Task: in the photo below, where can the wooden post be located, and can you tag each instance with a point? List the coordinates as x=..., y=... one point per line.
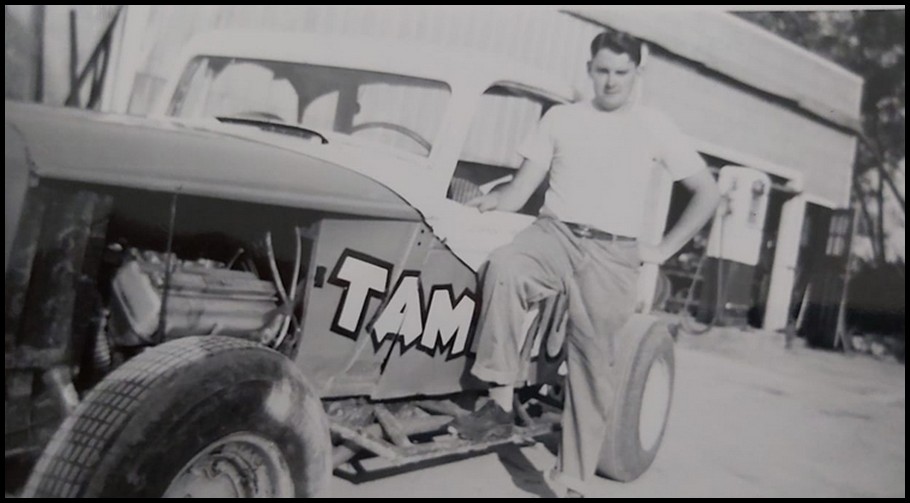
x=786, y=259
x=841, y=330
x=39, y=14
x=73, y=99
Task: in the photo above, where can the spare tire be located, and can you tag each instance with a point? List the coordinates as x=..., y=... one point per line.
x=638, y=417
x=198, y=416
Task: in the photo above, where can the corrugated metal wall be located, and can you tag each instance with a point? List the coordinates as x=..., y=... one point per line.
x=716, y=112
x=22, y=46
x=744, y=52
x=705, y=108
x=91, y=20
x=537, y=36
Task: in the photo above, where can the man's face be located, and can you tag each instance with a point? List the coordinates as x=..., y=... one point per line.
x=614, y=77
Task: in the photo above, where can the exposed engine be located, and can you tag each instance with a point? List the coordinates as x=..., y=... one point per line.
x=203, y=298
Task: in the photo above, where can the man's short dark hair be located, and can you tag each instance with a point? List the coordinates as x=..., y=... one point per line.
x=618, y=42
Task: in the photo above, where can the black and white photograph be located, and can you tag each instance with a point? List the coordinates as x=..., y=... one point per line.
x=455, y=251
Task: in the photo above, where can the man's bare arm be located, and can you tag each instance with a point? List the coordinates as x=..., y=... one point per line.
x=705, y=198
x=513, y=195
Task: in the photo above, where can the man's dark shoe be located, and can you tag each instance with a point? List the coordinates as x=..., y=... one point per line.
x=487, y=422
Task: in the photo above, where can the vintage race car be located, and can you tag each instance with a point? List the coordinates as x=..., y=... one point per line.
x=275, y=275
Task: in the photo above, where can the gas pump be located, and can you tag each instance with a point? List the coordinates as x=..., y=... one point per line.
x=734, y=245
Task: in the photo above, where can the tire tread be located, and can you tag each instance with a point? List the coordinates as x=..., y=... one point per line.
x=77, y=447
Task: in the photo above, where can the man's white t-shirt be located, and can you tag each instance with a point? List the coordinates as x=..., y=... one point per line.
x=601, y=162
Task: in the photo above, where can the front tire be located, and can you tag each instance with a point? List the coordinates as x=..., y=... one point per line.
x=196, y=416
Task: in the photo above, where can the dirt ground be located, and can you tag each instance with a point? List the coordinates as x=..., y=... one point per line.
x=749, y=418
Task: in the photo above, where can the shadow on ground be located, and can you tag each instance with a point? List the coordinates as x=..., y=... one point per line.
x=524, y=474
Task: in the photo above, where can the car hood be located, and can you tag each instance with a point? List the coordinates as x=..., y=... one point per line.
x=405, y=174
x=159, y=154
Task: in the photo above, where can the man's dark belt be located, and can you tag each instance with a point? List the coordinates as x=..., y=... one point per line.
x=586, y=231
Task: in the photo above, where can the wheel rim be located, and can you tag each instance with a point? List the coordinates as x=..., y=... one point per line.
x=655, y=402
x=240, y=465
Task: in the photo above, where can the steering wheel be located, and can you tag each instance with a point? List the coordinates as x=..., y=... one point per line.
x=410, y=133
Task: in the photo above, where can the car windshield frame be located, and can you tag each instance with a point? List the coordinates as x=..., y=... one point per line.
x=393, y=111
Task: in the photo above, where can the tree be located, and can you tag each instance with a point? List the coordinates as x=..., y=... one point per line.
x=871, y=44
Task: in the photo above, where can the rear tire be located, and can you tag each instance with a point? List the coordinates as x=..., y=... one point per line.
x=638, y=418
x=195, y=415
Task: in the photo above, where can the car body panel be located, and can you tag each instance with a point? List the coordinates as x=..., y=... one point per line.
x=379, y=221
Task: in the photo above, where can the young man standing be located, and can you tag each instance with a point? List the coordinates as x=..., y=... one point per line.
x=599, y=155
